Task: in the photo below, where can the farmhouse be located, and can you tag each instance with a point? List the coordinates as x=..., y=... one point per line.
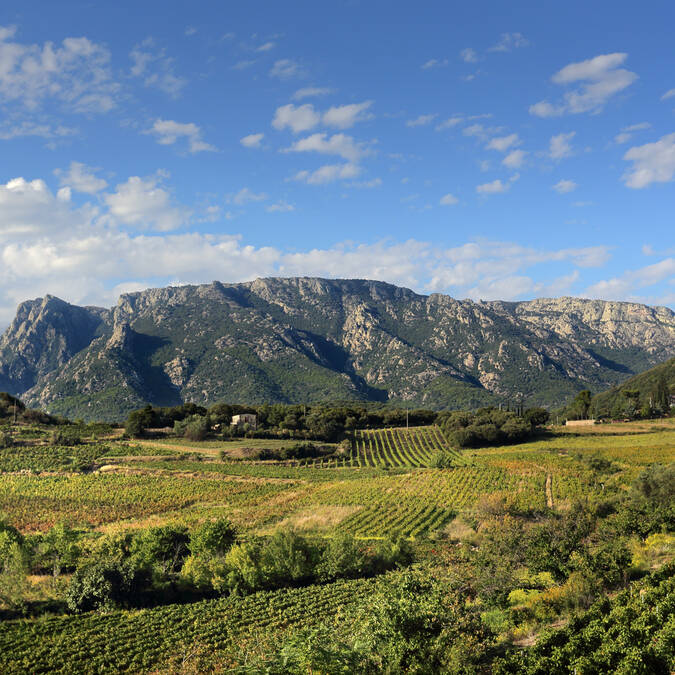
x=579, y=423
x=245, y=418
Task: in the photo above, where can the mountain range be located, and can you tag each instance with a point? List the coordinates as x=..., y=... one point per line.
x=297, y=340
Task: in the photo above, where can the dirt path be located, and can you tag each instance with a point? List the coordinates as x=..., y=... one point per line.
x=549, y=491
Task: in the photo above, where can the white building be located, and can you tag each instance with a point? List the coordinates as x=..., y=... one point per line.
x=244, y=418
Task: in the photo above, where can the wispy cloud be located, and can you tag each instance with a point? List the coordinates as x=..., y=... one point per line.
x=508, y=42
x=564, y=186
x=311, y=92
x=328, y=173
x=287, y=69
x=421, y=121
x=469, y=55
x=168, y=132
x=598, y=80
x=245, y=196
x=434, y=63
x=152, y=64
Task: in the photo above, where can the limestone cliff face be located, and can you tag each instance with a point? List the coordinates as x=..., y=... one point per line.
x=307, y=339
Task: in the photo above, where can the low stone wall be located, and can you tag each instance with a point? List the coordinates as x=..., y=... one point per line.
x=579, y=423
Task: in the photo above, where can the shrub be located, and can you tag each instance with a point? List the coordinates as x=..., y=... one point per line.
x=102, y=586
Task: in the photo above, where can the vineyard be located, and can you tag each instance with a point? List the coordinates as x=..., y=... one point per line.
x=386, y=485
x=413, y=447
x=143, y=640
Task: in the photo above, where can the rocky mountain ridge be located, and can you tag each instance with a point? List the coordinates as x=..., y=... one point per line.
x=308, y=339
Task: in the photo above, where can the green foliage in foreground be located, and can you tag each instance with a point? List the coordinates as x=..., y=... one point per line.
x=634, y=633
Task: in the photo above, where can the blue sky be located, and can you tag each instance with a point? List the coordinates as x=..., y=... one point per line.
x=486, y=150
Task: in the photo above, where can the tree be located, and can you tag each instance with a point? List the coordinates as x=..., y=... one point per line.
x=662, y=395
x=536, y=417
x=58, y=548
x=161, y=550
x=632, y=398
x=102, y=586
x=13, y=569
x=581, y=405
x=214, y=537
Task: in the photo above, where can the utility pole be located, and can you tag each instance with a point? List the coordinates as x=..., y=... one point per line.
x=14, y=412
x=406, y=419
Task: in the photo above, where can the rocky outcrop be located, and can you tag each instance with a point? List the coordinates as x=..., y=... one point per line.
x=307, y=339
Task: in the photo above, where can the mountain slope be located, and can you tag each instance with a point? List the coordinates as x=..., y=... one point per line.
x=645, y=383
x=306, y=339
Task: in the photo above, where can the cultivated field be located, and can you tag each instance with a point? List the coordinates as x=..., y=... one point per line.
x=383, y=487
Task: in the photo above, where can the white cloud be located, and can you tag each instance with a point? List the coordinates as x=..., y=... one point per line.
x=328, y=173
x=82, y=178
x=75, y=73
x=9, y=130
x=468, y=55
x=448, y=200
x=245, y=196
x=156, y=68
x=49, y=245
x=560, y=147
x=143, y=203
x=515, y=159
x=599, y=79
x=280, y=207
x=497, y=186
x=338, y=144
x=297, y=118
x=546, y=109
x=286, y=69
x=434, y=63
x=252, y=140
x=503, y=143
x=480, y=131
x=29, y=208
x=564, y=186
x=421, y=121
x=627, y=132
x=624, y=286
x=346, y=116
x=669, y=94
x=168, y=132
x=652, y=163
x=310, y=92
x=508, y=42
x=449, y=123
x=266, y=47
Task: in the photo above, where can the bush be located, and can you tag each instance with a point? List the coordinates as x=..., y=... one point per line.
x=341, y=559
x=66, y=436
x=443, y=460
x=103, y=586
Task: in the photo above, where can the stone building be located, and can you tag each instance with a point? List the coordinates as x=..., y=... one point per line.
x=244, y=418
